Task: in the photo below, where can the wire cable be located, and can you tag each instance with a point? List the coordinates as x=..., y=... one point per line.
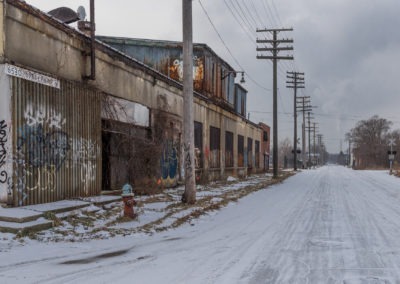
x=228, y=49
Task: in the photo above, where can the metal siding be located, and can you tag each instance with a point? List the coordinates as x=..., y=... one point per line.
x=57, y=142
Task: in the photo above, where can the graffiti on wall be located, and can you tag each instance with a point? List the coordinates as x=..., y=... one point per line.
x=35, y=117
x=188, y=160
x=3, y=151
x=176, y=71
x=84, y=154
x=42, y=148
x=43, y=151
x=169, y=162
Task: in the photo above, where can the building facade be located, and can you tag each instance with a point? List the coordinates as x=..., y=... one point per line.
x=65, y=134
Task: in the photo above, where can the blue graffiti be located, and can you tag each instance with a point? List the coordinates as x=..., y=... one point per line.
x=169, y=160
x=43, y=149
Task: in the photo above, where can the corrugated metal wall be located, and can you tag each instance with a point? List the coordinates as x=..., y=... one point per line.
x=57, y=142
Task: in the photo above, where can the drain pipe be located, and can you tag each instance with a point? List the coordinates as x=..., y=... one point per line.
x=89, y=29
x=92, y=43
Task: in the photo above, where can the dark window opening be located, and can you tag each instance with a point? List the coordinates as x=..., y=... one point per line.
x=215, y=146
x=257, y=153
x=265, y=136
x=240, y=151
x=228, y=149
x=249, y=152
x=198, y=144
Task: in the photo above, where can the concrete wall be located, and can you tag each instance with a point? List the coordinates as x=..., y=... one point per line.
x=5, y=137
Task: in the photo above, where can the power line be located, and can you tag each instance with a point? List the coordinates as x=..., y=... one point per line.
x=248, y=11
x=243, y=14
x=256, y=12
x=246, y=31
x=228, y=49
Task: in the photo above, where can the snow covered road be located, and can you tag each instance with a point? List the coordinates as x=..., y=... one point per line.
x=329, y=225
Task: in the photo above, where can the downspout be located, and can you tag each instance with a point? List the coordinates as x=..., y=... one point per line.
x=92, y=75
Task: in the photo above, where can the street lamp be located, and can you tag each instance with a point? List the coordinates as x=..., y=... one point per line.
x=226, y=74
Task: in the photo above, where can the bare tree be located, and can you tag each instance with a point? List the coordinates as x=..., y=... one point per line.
x=369, y=140
x=285, y=153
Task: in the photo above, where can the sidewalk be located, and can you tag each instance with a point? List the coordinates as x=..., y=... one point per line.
x=101, y=217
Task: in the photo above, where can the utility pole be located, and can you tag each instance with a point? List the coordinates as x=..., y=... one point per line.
x=315, y=130
x=391, y=153
x=309, y=140
x=320, y=148
x=350, y=153
x=297, y=82
x=303, y=105
x=275, y=49
x=311, y=129
x=189, y=195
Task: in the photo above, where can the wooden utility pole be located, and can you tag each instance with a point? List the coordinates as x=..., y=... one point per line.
x=312, y=148
x=320, y=148
x=275, y=49
x=189, y=196
x=315, y=132
x=304, y=106
x=297, y=82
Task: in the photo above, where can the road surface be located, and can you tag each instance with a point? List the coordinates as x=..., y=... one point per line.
x=328, y=225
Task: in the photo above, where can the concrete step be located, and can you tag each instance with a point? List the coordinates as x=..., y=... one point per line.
x=14, y=227
x=31, y=218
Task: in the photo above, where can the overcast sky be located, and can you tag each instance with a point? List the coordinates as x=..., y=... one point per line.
x=348, y=50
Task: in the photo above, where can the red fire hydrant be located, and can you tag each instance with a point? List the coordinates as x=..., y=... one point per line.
x=129, y=202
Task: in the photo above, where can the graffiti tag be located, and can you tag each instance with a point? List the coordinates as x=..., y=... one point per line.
x=169, y=160
x=3, y=151
x=39, y=117
x=43, y=149
x=188, y=160
x=44, y=178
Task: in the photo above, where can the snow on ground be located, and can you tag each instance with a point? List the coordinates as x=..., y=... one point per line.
x=329, y=225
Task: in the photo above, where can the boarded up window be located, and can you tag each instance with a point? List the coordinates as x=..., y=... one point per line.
x=240, y=151
x=257, y=153
x=228, y=149
x=249, y=152
x=198, y=144
x=215, y=146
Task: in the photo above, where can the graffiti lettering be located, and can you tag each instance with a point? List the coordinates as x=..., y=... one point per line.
x=83, y=149
x=43, y=149
x=188, y=160
x=88, y=174
x=3, y=151
x=169, y=162
x=39, y=117
x=44, y=178
x=84, y=153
